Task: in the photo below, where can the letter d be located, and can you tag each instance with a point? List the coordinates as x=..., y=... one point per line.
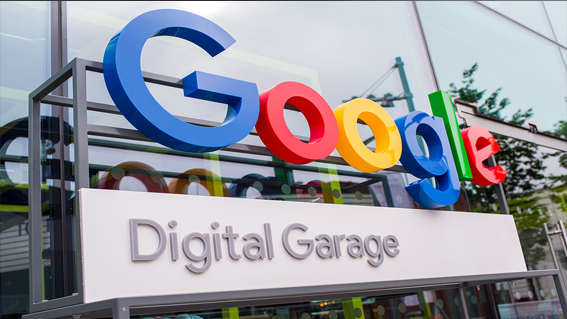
x=135, y=248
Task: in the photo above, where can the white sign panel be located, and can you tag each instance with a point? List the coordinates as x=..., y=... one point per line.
x=138, y=244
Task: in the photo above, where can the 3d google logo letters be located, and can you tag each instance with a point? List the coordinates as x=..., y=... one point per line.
x=450, y=150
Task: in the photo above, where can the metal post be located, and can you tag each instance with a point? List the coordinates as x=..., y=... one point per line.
x=553, y=255
x=409, y=98
x=387, y=191
x=81, y=167
x=424, y=40
x=560, y=287
x=120, y=310
x=61, y=240
x=407, y=93
x=564, y=235
x=463, y=304
x=499, y=190
x=284, y=175
x=34, y=203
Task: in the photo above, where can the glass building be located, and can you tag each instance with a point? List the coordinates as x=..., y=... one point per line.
x=504, y=62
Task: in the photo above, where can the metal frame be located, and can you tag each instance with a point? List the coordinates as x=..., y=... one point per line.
x=75, y=69
x=122, y=308
x=559, y=230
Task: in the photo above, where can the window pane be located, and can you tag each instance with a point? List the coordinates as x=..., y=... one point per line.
x=557, y=12
x=529, y=69
x=529, y=13
x=349, y=55
x=24, y=64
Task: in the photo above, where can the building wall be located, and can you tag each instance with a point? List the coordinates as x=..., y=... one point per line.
x=341, y=50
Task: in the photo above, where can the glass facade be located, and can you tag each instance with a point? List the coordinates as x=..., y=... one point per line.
x=341, y=50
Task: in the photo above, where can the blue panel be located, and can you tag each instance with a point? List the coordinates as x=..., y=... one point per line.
x=440, y=163
x=129, y=92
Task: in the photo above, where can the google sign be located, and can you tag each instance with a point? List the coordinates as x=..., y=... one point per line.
x=454, y=155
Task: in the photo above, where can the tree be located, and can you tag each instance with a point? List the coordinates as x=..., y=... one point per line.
x=524, y=166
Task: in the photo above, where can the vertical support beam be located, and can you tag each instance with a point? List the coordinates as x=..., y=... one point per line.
x=62, y=241
x=119, y=310
x=335, y=184
x=464, y=191
x=425, y=44
x=426, y=307
x=58, y=33
x=463, y=304
x=230, y=313
x=499, y=190
x=329, y=190
x=285, y=175
x=563, y=235
x=216, y=178
x=405, y=84
x=36, y=293
x=387, y=191
x=352, y=308
x=409, y=98
x=560, y=287
x=553, y=255
x=81, y=167
x=551, y=248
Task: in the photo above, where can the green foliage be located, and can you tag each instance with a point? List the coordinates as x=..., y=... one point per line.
x=520, y=117
x=523, y=164
x=560, y=128
x=468, y=93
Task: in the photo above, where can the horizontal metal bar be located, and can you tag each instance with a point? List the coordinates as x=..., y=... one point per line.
x=227, y=158
x=91, y=106
x=111, y=109
x=164, y=80
x=172, y=82
x=203, y=301
x=470, y=114
x=56, y=303
x=202, y=306
x=107, y=131
x=54, y=81
x=91, y=310
x=360, y=287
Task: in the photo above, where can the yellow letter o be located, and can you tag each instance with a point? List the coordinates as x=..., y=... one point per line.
x=351, y=147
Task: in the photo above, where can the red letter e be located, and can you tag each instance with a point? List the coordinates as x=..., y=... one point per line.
x=480, y=145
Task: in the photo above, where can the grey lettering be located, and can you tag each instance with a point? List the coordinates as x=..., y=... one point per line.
x=205, y=256
x=337, y=239
x=327, y=244
x=216, y=245
x=230, y=237
x=134, y=244
x=173, y=245
x=308, y=242
x=393, y=244
x=269, y=241
x=355, y=249
x=259, y=244
x=378, y=253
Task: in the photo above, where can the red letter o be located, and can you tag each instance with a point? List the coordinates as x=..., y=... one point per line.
x=277, y=137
